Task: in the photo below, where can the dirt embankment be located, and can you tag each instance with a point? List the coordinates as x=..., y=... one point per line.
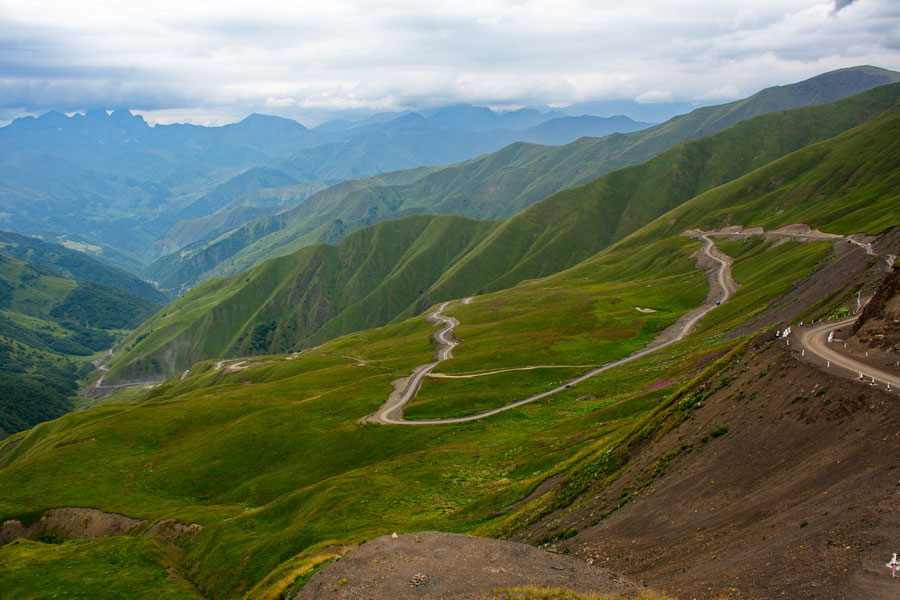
x=75, y=523
x=781, y=482
x=430, y=566
x=878, y=326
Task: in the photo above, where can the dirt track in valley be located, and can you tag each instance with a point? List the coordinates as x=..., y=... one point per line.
x=405, y=390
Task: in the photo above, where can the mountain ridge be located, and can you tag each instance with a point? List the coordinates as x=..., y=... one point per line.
x=553, y=234
x=520, y=174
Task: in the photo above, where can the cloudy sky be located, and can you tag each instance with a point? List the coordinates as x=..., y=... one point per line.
x=215, y=61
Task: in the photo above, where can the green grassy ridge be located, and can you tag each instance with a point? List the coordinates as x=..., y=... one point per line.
x=315, y=294
x=72, y=264
x=496, y=185
x=571, y=225
x=848, y=184
x=551, y=235
x=192, y=263
x=273, y=463
x=50, y=327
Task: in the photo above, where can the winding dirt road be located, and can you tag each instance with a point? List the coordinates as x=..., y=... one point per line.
x=391, y=412
x=815, y=341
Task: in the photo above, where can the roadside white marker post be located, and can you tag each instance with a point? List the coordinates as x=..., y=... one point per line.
x=827, y=364
x=803, y=352
x=830, y=336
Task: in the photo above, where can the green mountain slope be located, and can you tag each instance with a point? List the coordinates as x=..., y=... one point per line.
x=551, y=235
x=76, y=265
x=49, y=329
x=314, y=294
x=273, y=461
x=574, y=224
x=496, y=185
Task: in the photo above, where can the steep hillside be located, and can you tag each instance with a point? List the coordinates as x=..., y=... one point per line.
x=76, y=265
x=497, y=185
x=851, y=179
x=312, y=295
x=192, y=263
x=878, y=326
x=769, y=477
x=572, y=225
x=240, y=207
x=49, y=329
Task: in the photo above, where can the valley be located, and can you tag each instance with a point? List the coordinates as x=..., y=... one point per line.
x=591, y=387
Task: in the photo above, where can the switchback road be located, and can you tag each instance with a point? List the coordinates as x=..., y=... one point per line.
x=391, y=412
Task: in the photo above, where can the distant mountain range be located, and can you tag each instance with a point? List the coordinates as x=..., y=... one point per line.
x=112, y=177
x=496, y=185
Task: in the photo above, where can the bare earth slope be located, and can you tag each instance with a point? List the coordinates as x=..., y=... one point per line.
x=432, y=565
x=784, y=478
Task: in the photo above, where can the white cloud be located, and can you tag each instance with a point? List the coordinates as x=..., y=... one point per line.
x=290, y=57
x=280, y=102
x=722, y=94
x=654, y=97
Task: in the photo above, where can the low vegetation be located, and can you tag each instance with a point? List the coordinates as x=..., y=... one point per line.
x=272, y=455
x=50, y=328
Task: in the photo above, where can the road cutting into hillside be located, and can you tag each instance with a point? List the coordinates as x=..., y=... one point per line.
x=815, y=341
x=405, y=390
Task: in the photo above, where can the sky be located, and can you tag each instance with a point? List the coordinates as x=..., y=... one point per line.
x=213, y=62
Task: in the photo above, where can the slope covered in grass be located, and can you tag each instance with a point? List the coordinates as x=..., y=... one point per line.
x=76, y=265
x=573, y=224
x=49, y=329
x=496, y=185
x=275, y=464
x=313, y=295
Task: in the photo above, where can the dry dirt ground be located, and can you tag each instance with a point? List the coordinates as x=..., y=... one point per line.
x=798, y=498
x=448, y=566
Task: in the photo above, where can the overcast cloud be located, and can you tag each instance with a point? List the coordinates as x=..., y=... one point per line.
x=216, y=61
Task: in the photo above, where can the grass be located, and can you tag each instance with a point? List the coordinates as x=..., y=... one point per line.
x=278, y=468
x=760, y=171
x=106, y=568
x=522, y=174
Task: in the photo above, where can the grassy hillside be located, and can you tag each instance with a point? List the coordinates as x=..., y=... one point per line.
x=191, y=264
x=76, y=265
x=496, y=185
x=574, y=224
x=49, y=329
x=273, y=461
x=315, y=294
x=551, y=235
